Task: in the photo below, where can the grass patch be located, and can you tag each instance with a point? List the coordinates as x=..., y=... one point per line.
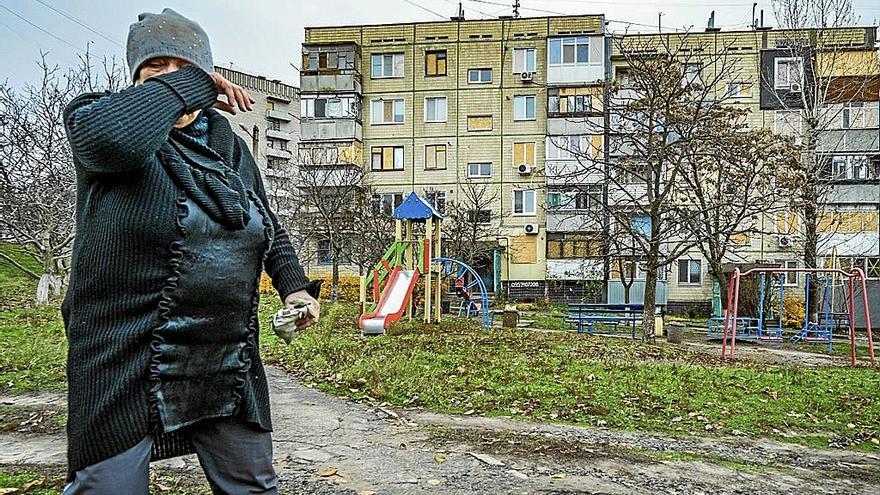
x=456, y=367
x=34, y=349
x=16, y=289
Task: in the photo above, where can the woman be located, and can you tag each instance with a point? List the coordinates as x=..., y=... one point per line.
x=173, y=232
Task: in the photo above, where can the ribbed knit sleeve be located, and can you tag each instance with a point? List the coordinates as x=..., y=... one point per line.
x=282, y=263
x=118, y=132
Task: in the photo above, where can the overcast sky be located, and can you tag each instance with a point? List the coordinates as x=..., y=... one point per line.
x=264, y=36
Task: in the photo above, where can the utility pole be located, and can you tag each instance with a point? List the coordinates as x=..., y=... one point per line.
x=659, y=22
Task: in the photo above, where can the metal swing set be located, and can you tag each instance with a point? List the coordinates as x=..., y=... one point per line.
x=813, y=332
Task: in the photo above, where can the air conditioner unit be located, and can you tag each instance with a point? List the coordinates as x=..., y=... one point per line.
x=795, y=88
x=785, y=241
x=531, y=228
x=524, y=169
x=526, y=76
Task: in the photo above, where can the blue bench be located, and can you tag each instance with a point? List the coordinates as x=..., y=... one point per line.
x=585, y=315
x=746, y=328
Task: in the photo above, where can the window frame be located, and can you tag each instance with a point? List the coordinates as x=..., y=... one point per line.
x=395, y=148
x=445, y=110
x=690, y=281
x=479, y=174
x=382, y=114
x=394, y=65
x=525, y=68
x=437, y=59
x=524, y=212
x=525, y=100
x=783, y=276
x=473, y=129
x=784, y=60
x=480, y=71
x=445, y=153
x=564, y=41
x=738, y=94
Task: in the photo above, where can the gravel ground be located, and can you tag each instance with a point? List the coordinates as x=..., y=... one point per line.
x=326, y=445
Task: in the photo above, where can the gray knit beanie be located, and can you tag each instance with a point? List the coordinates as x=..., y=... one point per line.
x=168, y=34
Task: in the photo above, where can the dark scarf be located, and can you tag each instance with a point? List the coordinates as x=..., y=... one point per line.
x=201, y=160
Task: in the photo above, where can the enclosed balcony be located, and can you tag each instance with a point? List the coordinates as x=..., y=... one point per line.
x=331, y=68
x=314, y=129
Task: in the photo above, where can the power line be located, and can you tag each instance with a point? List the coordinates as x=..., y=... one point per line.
x=74, y=19
x=426, y=9
x=16, y=14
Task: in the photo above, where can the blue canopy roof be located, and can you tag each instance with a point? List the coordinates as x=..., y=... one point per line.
x=414, y=207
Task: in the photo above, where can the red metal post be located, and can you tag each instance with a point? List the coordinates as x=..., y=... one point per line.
x=852, y=321
x=867, y=315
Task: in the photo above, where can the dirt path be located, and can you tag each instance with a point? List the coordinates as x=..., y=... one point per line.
x=376, y=450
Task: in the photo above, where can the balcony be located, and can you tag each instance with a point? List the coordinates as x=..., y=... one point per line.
x=560, y=172
x=331, y=130
x=277, y=153
x=279, y=115
x=576, y=269
x=341, y=176
x=575, y=125
x=340, y=81
x=850, y=140
x=568, y=220
x=273, y=134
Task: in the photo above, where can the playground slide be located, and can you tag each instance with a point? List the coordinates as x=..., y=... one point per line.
x=392, y=302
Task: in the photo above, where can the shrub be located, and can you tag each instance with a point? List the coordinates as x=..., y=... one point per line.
x=349, y=287
x=793, y=311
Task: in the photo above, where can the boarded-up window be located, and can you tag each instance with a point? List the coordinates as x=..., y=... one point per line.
x=479, y=122
x=786, y=222
x=524, y=249
x=435, y=157
x=435, y=63
x=847, y=222
x=562, y=246
x=741, y=239
x=387, y=158
x=524, y=154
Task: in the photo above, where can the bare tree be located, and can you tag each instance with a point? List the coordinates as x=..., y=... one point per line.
x=469, y=231
x=671, y=128
x=820, y=73
x=372, y=232
x=330, y=194
x=37, y=178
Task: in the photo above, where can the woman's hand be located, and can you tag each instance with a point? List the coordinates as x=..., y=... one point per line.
x=236, y=96
x=314, y=308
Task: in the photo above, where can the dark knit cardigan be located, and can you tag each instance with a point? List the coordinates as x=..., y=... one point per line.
x=124, y=258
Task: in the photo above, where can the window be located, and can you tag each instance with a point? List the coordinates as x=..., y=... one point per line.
x=523, y=202
x=479, y=216
x=329, y=107
x=523, y=108
x=270, y=105
x=384, y=204
x=623, y=76
x=561, y=246
x=435, y=157
x=788, y=73
x=853, y=115
x=275, y=163
x=479, y=170
x=873, y=267
x=587, y=198
x=855, y=167
x=567, y=147
x=435, y=63
x=523, y=60
x=435, y=109
x=479, y=76
x=387, y=158
x=387, y=65
x=479, y=122
x=523, y=154
x=387, y=111
x=324, y=252
x=569, y=51
x=641, y=224
x=569, y=100
x=788, y=123
x=690, y=272
x=739, y=90
x=789, y=278
x=273, y=125
x=691, y=74
x=786, y=222
x=437, y=198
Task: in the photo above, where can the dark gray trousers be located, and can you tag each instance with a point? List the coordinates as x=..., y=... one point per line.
x=235, y=458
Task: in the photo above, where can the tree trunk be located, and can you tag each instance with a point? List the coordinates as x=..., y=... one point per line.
x=334, y=280
x=717, y=273
x=811, y=241
x=49, y=284
x=650, y=303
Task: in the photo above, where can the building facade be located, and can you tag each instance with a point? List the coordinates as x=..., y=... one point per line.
x=510, y=105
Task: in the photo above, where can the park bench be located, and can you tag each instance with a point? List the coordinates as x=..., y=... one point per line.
x=746, y=328
x=610, y=317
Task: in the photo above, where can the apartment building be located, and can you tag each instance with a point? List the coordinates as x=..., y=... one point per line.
x=437, y=107
x=512, y=105
x=272, y=129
